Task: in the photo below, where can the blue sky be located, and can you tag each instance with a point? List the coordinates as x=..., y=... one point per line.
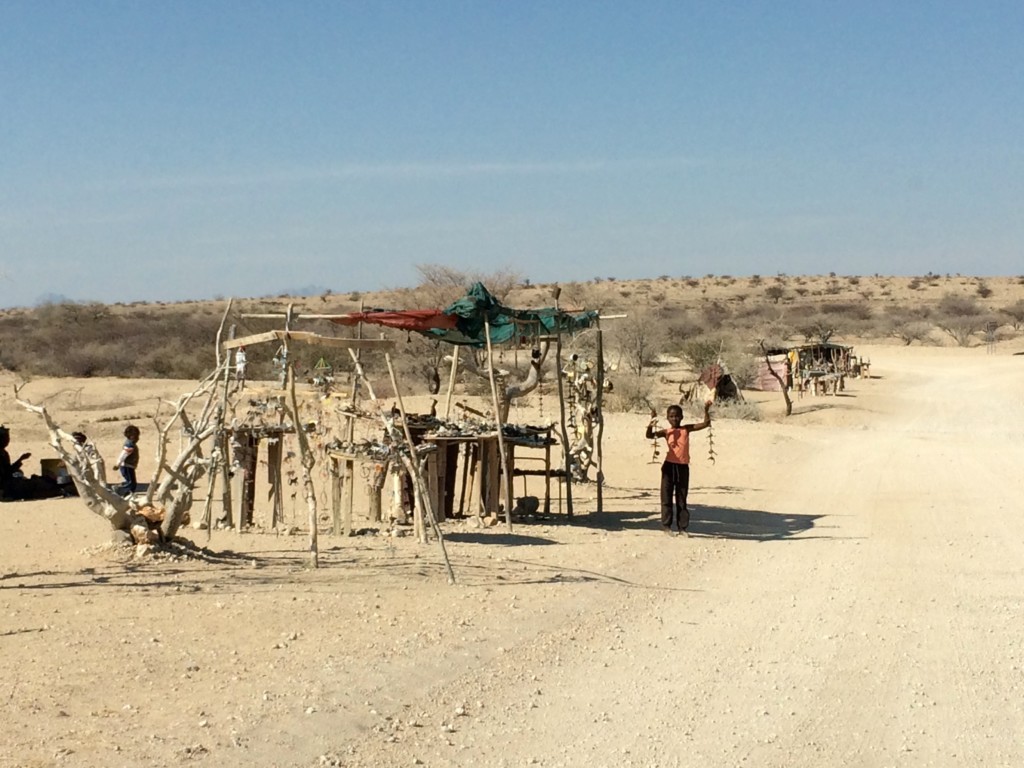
x=173, y=150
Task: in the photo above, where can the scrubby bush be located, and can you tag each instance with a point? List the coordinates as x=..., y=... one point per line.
x=1015, y=312
x=638, y=339
x=961, y=317
x=632, y=393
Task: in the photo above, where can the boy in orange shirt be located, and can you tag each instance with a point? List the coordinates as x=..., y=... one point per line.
x=675, y=471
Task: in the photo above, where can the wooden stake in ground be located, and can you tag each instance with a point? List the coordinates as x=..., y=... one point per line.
x=564, y=431
x=599, y=405
x=306, y=460
x=390, y=427
x=451, y=382
x=497, y=418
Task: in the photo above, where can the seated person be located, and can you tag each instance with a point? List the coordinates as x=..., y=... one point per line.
x=13, y=484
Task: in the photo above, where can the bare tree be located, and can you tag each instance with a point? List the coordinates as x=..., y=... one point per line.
x=440, y=285
x=1015, y=312
x=169, y=495
x=961, y=317
x=783, y=385
x=639, y=338
x=909, y=331
x=818, y=328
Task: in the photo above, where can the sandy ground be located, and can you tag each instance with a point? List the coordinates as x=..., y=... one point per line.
x=851, y=595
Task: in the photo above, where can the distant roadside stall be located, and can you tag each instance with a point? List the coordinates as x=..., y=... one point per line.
x=808, y=368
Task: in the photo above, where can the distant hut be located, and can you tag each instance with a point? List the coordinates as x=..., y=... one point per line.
x=714, y=383
x=779, y=361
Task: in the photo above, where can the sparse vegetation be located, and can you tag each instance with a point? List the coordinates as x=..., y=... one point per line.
x=176, y=340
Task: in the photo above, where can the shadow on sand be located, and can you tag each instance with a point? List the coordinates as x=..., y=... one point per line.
x=714, y=522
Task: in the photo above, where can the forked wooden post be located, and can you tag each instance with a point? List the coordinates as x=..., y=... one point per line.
x=451, y=381
x=599, y=403
x=564, y=431
x=417, y=475
x=497, y=418
x=225, y=470
x=411, y=464
x=306, y=460
x=275, y=456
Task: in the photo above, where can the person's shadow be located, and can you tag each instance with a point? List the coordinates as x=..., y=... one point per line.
x=713, y=522
x=755, y=524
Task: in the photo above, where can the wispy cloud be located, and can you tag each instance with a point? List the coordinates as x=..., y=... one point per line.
x=424, y=171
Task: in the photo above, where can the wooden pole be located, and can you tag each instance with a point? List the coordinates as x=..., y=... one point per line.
x=285, y=359
x=225, y=470
x=497, y=418
x=222, y=443
x=599, y=406
x=348, y=479
x=418, y=515
x=336, y=491
x=369, y=389
x=306, y=460
x=275, y=455
x=451, y=381
x=565, y=433
x=414, y=468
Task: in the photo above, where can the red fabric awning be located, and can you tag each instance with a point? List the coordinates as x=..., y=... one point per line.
x=406, y=320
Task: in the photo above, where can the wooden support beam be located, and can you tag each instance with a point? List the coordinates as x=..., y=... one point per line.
x=309, y=338
x=295, y=316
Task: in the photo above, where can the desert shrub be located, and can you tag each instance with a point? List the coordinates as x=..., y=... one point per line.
x=638, y=339
x=681, y=328
x=775, y=292
x=715, y=314
x=909, y=331
x=631, y=394
x=440, y=285
x=1015, y=312
x=855, y=311
x=961, y=329
x=743, y=367
x=701, y=352
x=984, y=291
x=959, y=305
x=818, y=328
x=960, y=317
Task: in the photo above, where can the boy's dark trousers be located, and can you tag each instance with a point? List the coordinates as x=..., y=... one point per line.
x=675, y=483
x=129, y=485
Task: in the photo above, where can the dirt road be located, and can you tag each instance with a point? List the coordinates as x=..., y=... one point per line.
x=851, y=595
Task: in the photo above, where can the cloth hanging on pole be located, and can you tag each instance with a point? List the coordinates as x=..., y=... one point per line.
x=466, y=320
